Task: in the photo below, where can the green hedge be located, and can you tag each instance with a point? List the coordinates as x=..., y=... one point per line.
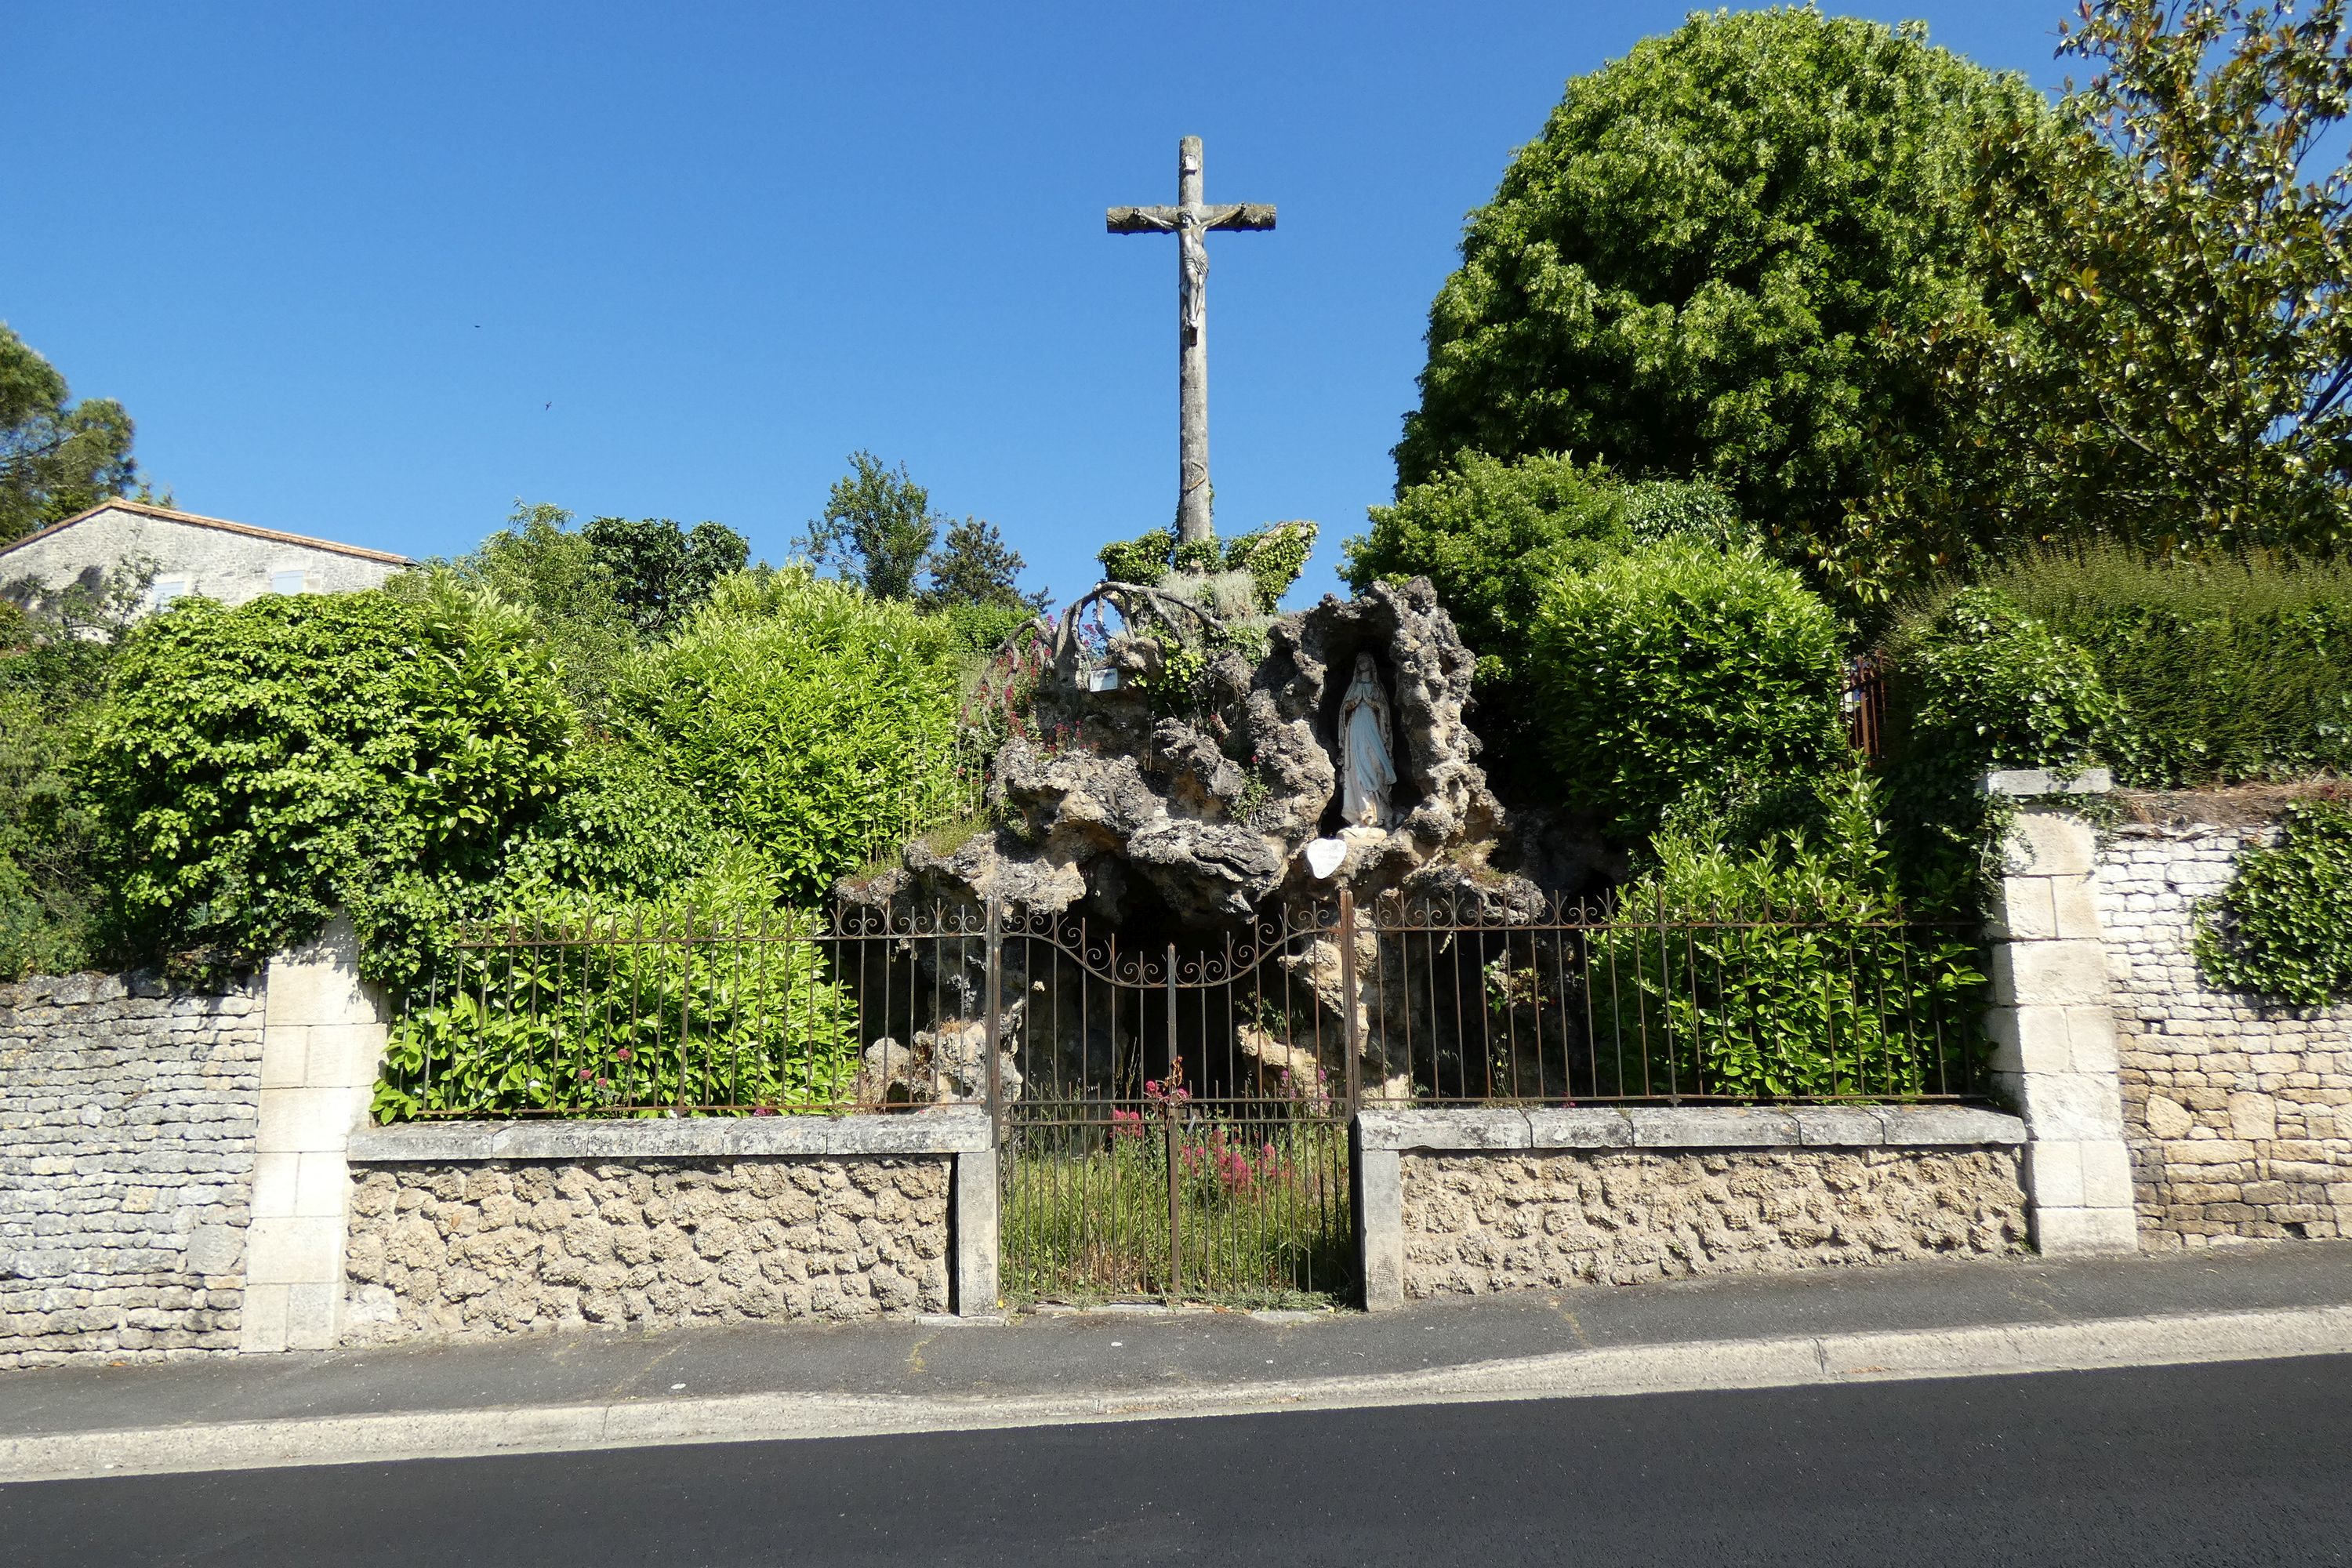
x=1778, y=961
x=816, y=722
x=591, y=1013
x=2177, y=674
x=1674, y=665
x=1983, y=684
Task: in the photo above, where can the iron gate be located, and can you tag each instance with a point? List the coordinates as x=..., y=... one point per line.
x=1175, y=1123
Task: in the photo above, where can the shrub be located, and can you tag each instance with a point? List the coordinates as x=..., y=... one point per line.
x=1673, y=664
x=573, y=1009
x=981, y=628
x=1273, y=557
x=623, y=831
x=2284, y=929
x=816, y=722
x=2226, y=671
x=1780, y=965
x=1492, y=536
x=1981, y=684
x=254, y=768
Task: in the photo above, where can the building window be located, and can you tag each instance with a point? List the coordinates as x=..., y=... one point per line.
x=168, y=589
x=293, y=580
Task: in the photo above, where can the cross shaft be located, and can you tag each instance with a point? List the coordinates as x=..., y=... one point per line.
x=1191, y=220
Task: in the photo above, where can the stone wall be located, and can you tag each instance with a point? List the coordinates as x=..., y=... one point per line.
x=1479, y=1221
x=126, y=1120
x=2238, y=1115
x=523, y=1247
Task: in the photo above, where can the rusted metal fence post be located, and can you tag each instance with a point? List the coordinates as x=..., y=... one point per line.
x=1348, y=999
x=995, y=1020
x=1169, y=1113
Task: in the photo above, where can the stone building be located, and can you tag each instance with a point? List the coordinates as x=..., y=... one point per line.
x=230, y=562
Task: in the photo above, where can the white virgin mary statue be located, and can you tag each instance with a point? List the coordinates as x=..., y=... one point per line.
x=1367, y=766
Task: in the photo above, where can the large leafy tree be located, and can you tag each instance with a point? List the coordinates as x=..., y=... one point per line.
x=1721, y=259
x=56, y=455
x=2182, y=246
x=877, y=525
x=662, y=573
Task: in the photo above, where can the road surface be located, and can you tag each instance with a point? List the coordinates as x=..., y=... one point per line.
x=2239, y=1464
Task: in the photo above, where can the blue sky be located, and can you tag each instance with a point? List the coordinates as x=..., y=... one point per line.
x=376, y=272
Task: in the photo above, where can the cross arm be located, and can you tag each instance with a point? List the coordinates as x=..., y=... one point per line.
x=1247, y=215
x=1139, y=220
x=1161, y=220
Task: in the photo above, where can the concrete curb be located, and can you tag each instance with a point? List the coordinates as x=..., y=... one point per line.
x=1980, y=1351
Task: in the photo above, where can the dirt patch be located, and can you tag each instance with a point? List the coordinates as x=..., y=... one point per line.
x=2233, y=806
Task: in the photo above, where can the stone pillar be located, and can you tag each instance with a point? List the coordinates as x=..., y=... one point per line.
x=2053, y=1032
x=321, y=1042
x=1380, y=1224
x=973, y=1232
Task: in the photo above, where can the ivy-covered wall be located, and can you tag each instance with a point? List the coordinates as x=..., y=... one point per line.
x=2238, y=1110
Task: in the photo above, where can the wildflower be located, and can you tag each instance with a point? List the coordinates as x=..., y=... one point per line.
x=625, y=1053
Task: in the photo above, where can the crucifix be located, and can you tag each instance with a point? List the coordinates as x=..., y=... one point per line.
x=1192, y=221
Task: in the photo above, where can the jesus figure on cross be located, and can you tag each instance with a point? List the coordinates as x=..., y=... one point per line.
x=1191, y=221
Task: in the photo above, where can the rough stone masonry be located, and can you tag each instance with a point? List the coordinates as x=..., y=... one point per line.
x=449, y=1251
x=1476, y=1222
x=2238, y=1113
x=126, y=1120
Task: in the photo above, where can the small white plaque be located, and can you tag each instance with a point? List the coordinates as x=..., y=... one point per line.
x=1103, y=680
x=1325, y=855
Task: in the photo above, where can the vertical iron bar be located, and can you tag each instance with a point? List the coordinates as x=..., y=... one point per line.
x=1350, y=1029
x=995, y=1010
x=1175, y=1192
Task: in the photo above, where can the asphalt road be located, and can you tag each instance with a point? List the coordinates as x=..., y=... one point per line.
x=2243, y=1464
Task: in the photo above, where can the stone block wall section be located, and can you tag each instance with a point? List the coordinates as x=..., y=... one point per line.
x=323, y=1043
x=1466, y=1201
x=127, y=1118
x=2239, y=1114
x=473, y=1230
x=2053, y=1037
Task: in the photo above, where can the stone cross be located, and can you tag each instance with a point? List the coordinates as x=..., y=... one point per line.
x=1192, y=221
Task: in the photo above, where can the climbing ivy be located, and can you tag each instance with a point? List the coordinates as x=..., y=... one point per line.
x=2282, y=930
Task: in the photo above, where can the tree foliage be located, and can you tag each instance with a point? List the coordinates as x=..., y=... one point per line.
x=58, y=457
x=976, y=567
x=1494, y=536
x=1717, y=261
x=596, y=592
x=877, y=525
x=2179, y=252
x=256, y=768
x=660, y=573
x=54, y=668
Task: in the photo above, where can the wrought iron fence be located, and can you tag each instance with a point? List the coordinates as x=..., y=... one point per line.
x=775, y=1013
x=866, y=1008
x=1608, y=1003
x=1174, y=1120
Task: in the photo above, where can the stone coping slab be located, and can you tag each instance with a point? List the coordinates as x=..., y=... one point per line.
x=2026, y=783
x=1709, y=1127
x=956, y=1129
